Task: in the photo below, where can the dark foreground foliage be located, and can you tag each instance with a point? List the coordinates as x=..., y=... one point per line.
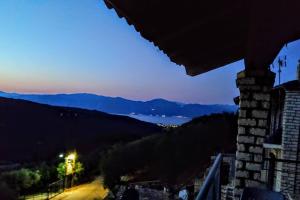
x=174, y=156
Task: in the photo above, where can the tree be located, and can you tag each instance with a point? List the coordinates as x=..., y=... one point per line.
x=48, y=174
x=61, y=169
x=78, y=168
x=21, y=180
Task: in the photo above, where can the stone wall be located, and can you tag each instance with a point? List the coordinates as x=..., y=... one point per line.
x=254, y=102
x=290, y=183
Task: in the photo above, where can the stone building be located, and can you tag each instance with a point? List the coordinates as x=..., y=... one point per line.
x=268, y=142
x=282, y=145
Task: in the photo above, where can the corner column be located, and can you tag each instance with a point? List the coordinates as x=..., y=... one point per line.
x=254, y=102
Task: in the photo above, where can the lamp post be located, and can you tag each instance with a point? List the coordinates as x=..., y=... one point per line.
x=70, y=162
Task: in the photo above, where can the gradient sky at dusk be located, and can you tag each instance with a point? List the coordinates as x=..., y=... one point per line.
x=55, y=46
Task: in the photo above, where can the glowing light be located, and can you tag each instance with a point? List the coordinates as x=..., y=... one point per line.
x=71, y=156
x=70, y=163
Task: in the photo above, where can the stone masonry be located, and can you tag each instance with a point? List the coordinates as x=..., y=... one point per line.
x=254, y=103
x=290, y=180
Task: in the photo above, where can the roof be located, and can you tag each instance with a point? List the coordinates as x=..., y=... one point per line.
x=204, y=35
x=289, y=86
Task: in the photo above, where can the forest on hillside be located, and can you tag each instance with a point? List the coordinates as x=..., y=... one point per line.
x=175, y=156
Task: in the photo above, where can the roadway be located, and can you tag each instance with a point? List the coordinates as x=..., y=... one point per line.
x=90, y=191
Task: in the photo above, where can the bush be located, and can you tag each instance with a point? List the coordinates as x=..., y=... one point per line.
x=127, y=159
x=21, y=180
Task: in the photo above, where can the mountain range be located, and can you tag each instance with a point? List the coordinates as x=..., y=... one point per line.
x=118, y=105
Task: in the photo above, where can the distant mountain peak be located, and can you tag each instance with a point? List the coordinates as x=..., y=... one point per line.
x=159, y=100
x=154, y=107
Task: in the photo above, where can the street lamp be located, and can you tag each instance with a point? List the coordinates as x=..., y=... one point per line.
x=70, y=161
x=71, y=157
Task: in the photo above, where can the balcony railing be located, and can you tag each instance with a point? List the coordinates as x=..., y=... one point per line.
x=271, y=175
x=211, y=188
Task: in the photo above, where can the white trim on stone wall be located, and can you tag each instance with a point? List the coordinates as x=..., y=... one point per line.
x=272, y=146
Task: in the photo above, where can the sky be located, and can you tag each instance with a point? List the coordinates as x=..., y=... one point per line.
x=72, y=46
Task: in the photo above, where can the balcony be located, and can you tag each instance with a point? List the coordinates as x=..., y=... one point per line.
x=211, y=188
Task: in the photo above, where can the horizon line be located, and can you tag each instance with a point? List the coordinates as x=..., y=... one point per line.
x=87, y=93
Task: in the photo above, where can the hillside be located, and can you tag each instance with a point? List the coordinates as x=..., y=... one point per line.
x=117, y=105
x=31, y=131
x=176, y=156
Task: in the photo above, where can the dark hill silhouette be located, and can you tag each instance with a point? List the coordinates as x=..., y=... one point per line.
x=32, y=131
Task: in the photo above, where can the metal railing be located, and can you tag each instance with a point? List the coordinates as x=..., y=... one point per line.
x=55, y=189
x=211, y=188
x=51, y=191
